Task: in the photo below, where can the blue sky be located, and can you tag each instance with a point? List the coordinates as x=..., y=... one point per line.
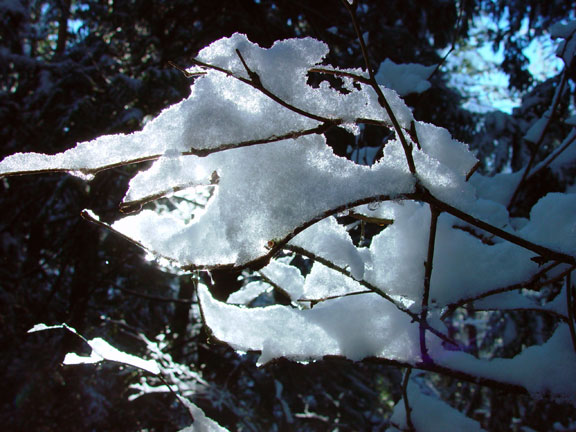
x=482, y=81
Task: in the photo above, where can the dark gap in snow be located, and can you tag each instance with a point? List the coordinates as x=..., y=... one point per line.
x=364, y=149
x=316, y=79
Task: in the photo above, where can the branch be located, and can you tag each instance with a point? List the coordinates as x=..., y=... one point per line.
x=570, y=306
x=371, y=288
x=334, y=297
x=434, y=213
x=557, y=152
x=437, y=368
x=531, y=282
x=537, y=146
x=336, y=72
x=255, y=82
x=320, y=129
x=526, y=244
x=277, y=245
x=381, y=98
x=152, y=297
x=406, y=402
x=459, y=24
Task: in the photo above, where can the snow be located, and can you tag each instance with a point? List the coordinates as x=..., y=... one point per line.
x=404, y=78
x=268, y=181
x=430, y=414
x=329, y=240
x=102, y=350
x=498, y=188
x=552, y=223
x=460, y=257
x=544, y=370
x=534, y=134
x=223, y=111
x=323, y=282
x=264, y=193
x=201, y=422
x=563, y=30
x=398, y=253
x=248, y=293
x=286, y=277
x=330, y=328
x=292, y=58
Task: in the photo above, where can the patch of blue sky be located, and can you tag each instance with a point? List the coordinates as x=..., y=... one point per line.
x=474, y=69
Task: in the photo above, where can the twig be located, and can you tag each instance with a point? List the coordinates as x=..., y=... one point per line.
x=279, y=244
x=255, y=82
x=557, y=152
x=334, y=297
x=473, y=170
x=87, y=215
x=372, y=288
x=450, y=372
x=525, y=174
x=570, y=306
x=531, y=282
x=454, y=39
x=354, y=76
x=184, y=71
x=434, y=213
x=153, y=297
x=407, y=408
x=526, y=244
x=381, y=98
x=320, y=129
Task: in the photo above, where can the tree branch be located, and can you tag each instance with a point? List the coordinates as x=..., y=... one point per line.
x=429, y=264
x=555, y=102
x=381, y=98
x=407, y=408
x=570, y=306
x=532, y=283
x=526, y=244
x=255, y=82
x=371, y=288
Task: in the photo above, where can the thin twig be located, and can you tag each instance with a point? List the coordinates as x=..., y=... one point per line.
x=536, y=147
x=381, y=98
x=570, y=307
x=278, y=244
x=257, y=84
x=434, y=213
x=526, y=244
x=372, y=288
x=449, y=371
x=557, y=152
x=454, y=39
x=153, y=297
x=531, y=283
x=334, y=297
x=473, y=170
x=184, y=71
x=90, y=218
x=407, y=408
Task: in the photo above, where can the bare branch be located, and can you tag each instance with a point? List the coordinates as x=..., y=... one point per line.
x=543, y=251
x=407, y=408
x=372, y=288
x=381, y=98
x=570, y=305
x=532, y=283
x=256, y=83
x=552, y=111
x=434, y=213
